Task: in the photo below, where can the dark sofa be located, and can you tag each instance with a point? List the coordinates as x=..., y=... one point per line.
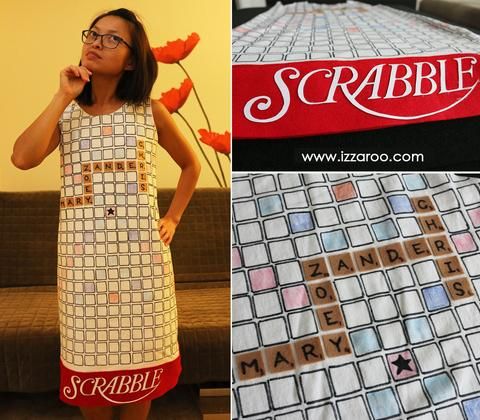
x=29, y=328
x=460, y=12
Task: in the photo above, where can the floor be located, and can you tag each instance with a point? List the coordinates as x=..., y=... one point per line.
x=181, y=403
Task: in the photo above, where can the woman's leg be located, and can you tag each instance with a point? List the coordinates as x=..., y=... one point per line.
x=135, y=411
x=97, y=413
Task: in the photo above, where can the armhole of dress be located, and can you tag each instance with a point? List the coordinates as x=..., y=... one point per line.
x=60, y=125
x=148, y=107
x=70, y=107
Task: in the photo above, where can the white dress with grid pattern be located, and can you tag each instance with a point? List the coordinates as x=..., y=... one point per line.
x=116, y=294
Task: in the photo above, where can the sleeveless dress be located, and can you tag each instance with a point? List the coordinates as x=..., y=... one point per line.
x=116, y=291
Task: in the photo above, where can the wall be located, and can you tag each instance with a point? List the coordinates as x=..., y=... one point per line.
x=38, y=39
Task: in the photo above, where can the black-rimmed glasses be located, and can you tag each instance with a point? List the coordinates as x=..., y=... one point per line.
x=107, y=40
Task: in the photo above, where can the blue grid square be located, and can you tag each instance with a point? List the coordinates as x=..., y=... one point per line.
x=383, y=403
x=385, y=230
x=270, y=205
x=418, y=330
x=400, y=204
x=414, y=182
x=440, y=388
x=300, y=222
x=365, y=341
x=435, y=297
x=334, y=240
x=472, y=408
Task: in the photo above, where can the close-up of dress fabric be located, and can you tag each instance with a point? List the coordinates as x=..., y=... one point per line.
x=348, y=67
x=355, y=296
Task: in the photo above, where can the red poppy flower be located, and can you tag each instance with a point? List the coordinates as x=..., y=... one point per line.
x=175, y=98
x=177, y=50
x=220, y=142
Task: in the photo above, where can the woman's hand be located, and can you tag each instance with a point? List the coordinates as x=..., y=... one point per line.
x=73, y=80
x=166, y=227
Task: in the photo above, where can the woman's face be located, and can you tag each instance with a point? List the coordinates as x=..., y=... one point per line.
x=102, y=60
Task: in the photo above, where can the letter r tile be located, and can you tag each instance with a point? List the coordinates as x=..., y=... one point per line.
x=309, y=350
x=439, y=245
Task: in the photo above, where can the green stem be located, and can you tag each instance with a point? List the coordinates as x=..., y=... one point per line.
x=200, y=147
x=206, y=118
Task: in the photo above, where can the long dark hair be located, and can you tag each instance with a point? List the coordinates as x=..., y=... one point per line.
x=135, y=85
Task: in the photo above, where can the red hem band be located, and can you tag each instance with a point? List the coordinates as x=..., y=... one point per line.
x=88, y=389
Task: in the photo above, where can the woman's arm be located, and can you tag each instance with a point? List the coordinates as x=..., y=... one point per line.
x=42, y=136
x=177, y=146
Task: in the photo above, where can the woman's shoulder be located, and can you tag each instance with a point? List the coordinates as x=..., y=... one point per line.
x=159, y=112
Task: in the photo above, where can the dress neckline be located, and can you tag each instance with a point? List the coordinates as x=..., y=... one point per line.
x=100, y=115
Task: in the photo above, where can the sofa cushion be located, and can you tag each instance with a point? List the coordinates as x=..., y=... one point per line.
x=460, y=12
x=29, y=337
x=29, y=229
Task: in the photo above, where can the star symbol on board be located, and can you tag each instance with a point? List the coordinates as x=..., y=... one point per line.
x=110, y=211
x=402, y=364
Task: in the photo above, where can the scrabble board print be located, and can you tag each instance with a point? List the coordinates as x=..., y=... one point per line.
x=116, y=291
x=356, y=297
x=305, y=69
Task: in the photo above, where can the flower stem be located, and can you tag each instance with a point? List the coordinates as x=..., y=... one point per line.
x=221, y=169
x=206, y=118
x=196, y=95
x=201, y=148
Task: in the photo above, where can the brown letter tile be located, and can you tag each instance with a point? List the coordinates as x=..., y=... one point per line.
x=449, y=266
x=422, y=204
x=279, y=358
x=315, y=269
x=341, y=264
x=392, y=255
x=309, y=351
x=459, y=288
x=322, y=293
x=366, y=260
x=250, y=365
x=417, y=248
